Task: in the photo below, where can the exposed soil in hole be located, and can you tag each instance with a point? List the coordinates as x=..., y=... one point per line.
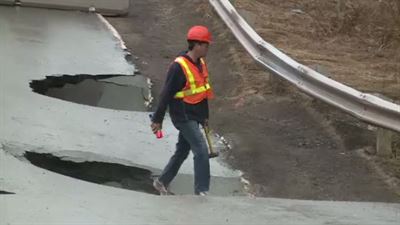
x=5, y=193
x=130, y=93
x=110, y=174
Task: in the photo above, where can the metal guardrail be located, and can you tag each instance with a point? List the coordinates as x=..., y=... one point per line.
x=366, y=107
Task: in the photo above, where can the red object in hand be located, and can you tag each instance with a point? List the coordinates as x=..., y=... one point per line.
x=159, y=134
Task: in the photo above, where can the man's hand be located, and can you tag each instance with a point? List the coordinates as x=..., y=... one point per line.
x=156, y=127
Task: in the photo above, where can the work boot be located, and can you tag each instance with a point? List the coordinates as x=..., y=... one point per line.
x=159, y=186
x=203, y=193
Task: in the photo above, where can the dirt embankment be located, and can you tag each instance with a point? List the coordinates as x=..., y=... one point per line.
x=357, y=42
x=283, y=141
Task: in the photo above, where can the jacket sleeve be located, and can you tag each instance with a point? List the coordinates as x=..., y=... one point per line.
x=174, y=83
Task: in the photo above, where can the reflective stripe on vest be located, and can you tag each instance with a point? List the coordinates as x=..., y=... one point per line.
x=189, y=92
x=191, y=80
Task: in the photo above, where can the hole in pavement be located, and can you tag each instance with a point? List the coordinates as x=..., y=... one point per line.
x=5, y=192
x=119, y=92
x=110, y=174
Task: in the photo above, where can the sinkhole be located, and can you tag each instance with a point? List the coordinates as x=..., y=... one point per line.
x=129, y=177
x=110, y=174
x=119, y=92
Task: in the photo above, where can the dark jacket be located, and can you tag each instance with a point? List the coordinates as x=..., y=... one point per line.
x=178, y=109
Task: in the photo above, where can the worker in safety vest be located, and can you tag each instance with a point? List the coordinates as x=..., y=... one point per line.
x=186, y=93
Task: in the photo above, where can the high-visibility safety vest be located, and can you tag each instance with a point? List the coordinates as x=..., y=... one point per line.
x=197, y=86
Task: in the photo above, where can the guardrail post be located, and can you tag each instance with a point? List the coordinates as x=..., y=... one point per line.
x=384, y=140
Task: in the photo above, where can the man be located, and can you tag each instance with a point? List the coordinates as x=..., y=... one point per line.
x=186, y=93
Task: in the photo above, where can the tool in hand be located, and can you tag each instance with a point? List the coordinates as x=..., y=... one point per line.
x=211, y=153
x=159, y=133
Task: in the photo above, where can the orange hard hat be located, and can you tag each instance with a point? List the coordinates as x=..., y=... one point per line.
x=199, y=33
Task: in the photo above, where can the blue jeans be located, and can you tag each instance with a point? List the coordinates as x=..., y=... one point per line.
x=190, y=138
